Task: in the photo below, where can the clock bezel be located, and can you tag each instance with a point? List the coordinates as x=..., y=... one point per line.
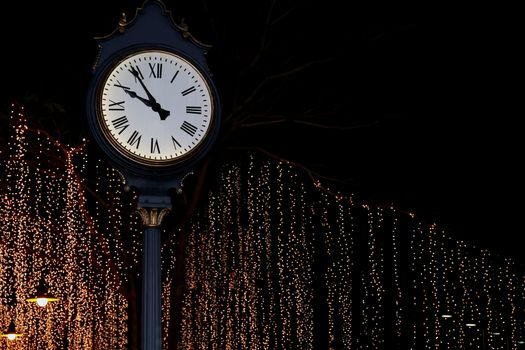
x=129, y=161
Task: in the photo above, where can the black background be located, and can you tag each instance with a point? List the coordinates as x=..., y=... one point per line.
x=422, y=102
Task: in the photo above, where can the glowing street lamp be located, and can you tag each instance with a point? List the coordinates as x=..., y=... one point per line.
x=42, y=297
x=11, y=333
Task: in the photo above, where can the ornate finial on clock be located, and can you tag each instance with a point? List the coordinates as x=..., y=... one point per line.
x=184, y=27
x=122, y=23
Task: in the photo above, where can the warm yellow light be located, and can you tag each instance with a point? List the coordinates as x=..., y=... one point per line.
x=11, y=332
x=34, y=249
x=42, y=301
x=42, y=297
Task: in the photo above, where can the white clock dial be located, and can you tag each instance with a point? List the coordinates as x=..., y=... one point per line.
x=155, y=107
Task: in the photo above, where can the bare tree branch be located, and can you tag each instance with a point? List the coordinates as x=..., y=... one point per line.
x=307, y=123
x=275, y=77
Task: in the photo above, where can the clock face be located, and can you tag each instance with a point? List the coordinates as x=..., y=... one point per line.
x=155, y=107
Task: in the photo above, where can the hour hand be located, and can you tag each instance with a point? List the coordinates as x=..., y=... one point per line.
x=134, y=95
x=154, y=105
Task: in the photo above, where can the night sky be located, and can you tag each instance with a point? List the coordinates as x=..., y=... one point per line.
x=425, y=96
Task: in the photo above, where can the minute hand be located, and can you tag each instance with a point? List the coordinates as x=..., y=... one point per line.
x=152, y=102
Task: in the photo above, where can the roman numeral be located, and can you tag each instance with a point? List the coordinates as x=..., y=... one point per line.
x=194, y=109
x=134, y=139
x=174, y=76
x=175, y=142
x=112, y=105
x=188, y=91
x=188, y=128
x=139, y=73
x=154, y=146
x=120, y=123
x=155, y=70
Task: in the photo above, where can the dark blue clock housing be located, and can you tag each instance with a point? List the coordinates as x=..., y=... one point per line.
x=152, y=28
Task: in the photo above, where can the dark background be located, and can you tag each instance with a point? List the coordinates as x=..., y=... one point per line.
x=410, y=106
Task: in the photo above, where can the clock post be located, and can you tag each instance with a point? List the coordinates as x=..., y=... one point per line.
x=152, y=277
x=153, y=109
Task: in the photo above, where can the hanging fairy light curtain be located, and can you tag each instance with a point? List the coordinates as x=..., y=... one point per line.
x=46, y=233
x=275, y=260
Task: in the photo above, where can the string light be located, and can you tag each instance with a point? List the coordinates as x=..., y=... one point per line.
x=273, y=259
x=255, y=282
x=46, y=230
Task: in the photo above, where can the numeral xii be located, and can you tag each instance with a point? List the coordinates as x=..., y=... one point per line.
x=155, y=70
